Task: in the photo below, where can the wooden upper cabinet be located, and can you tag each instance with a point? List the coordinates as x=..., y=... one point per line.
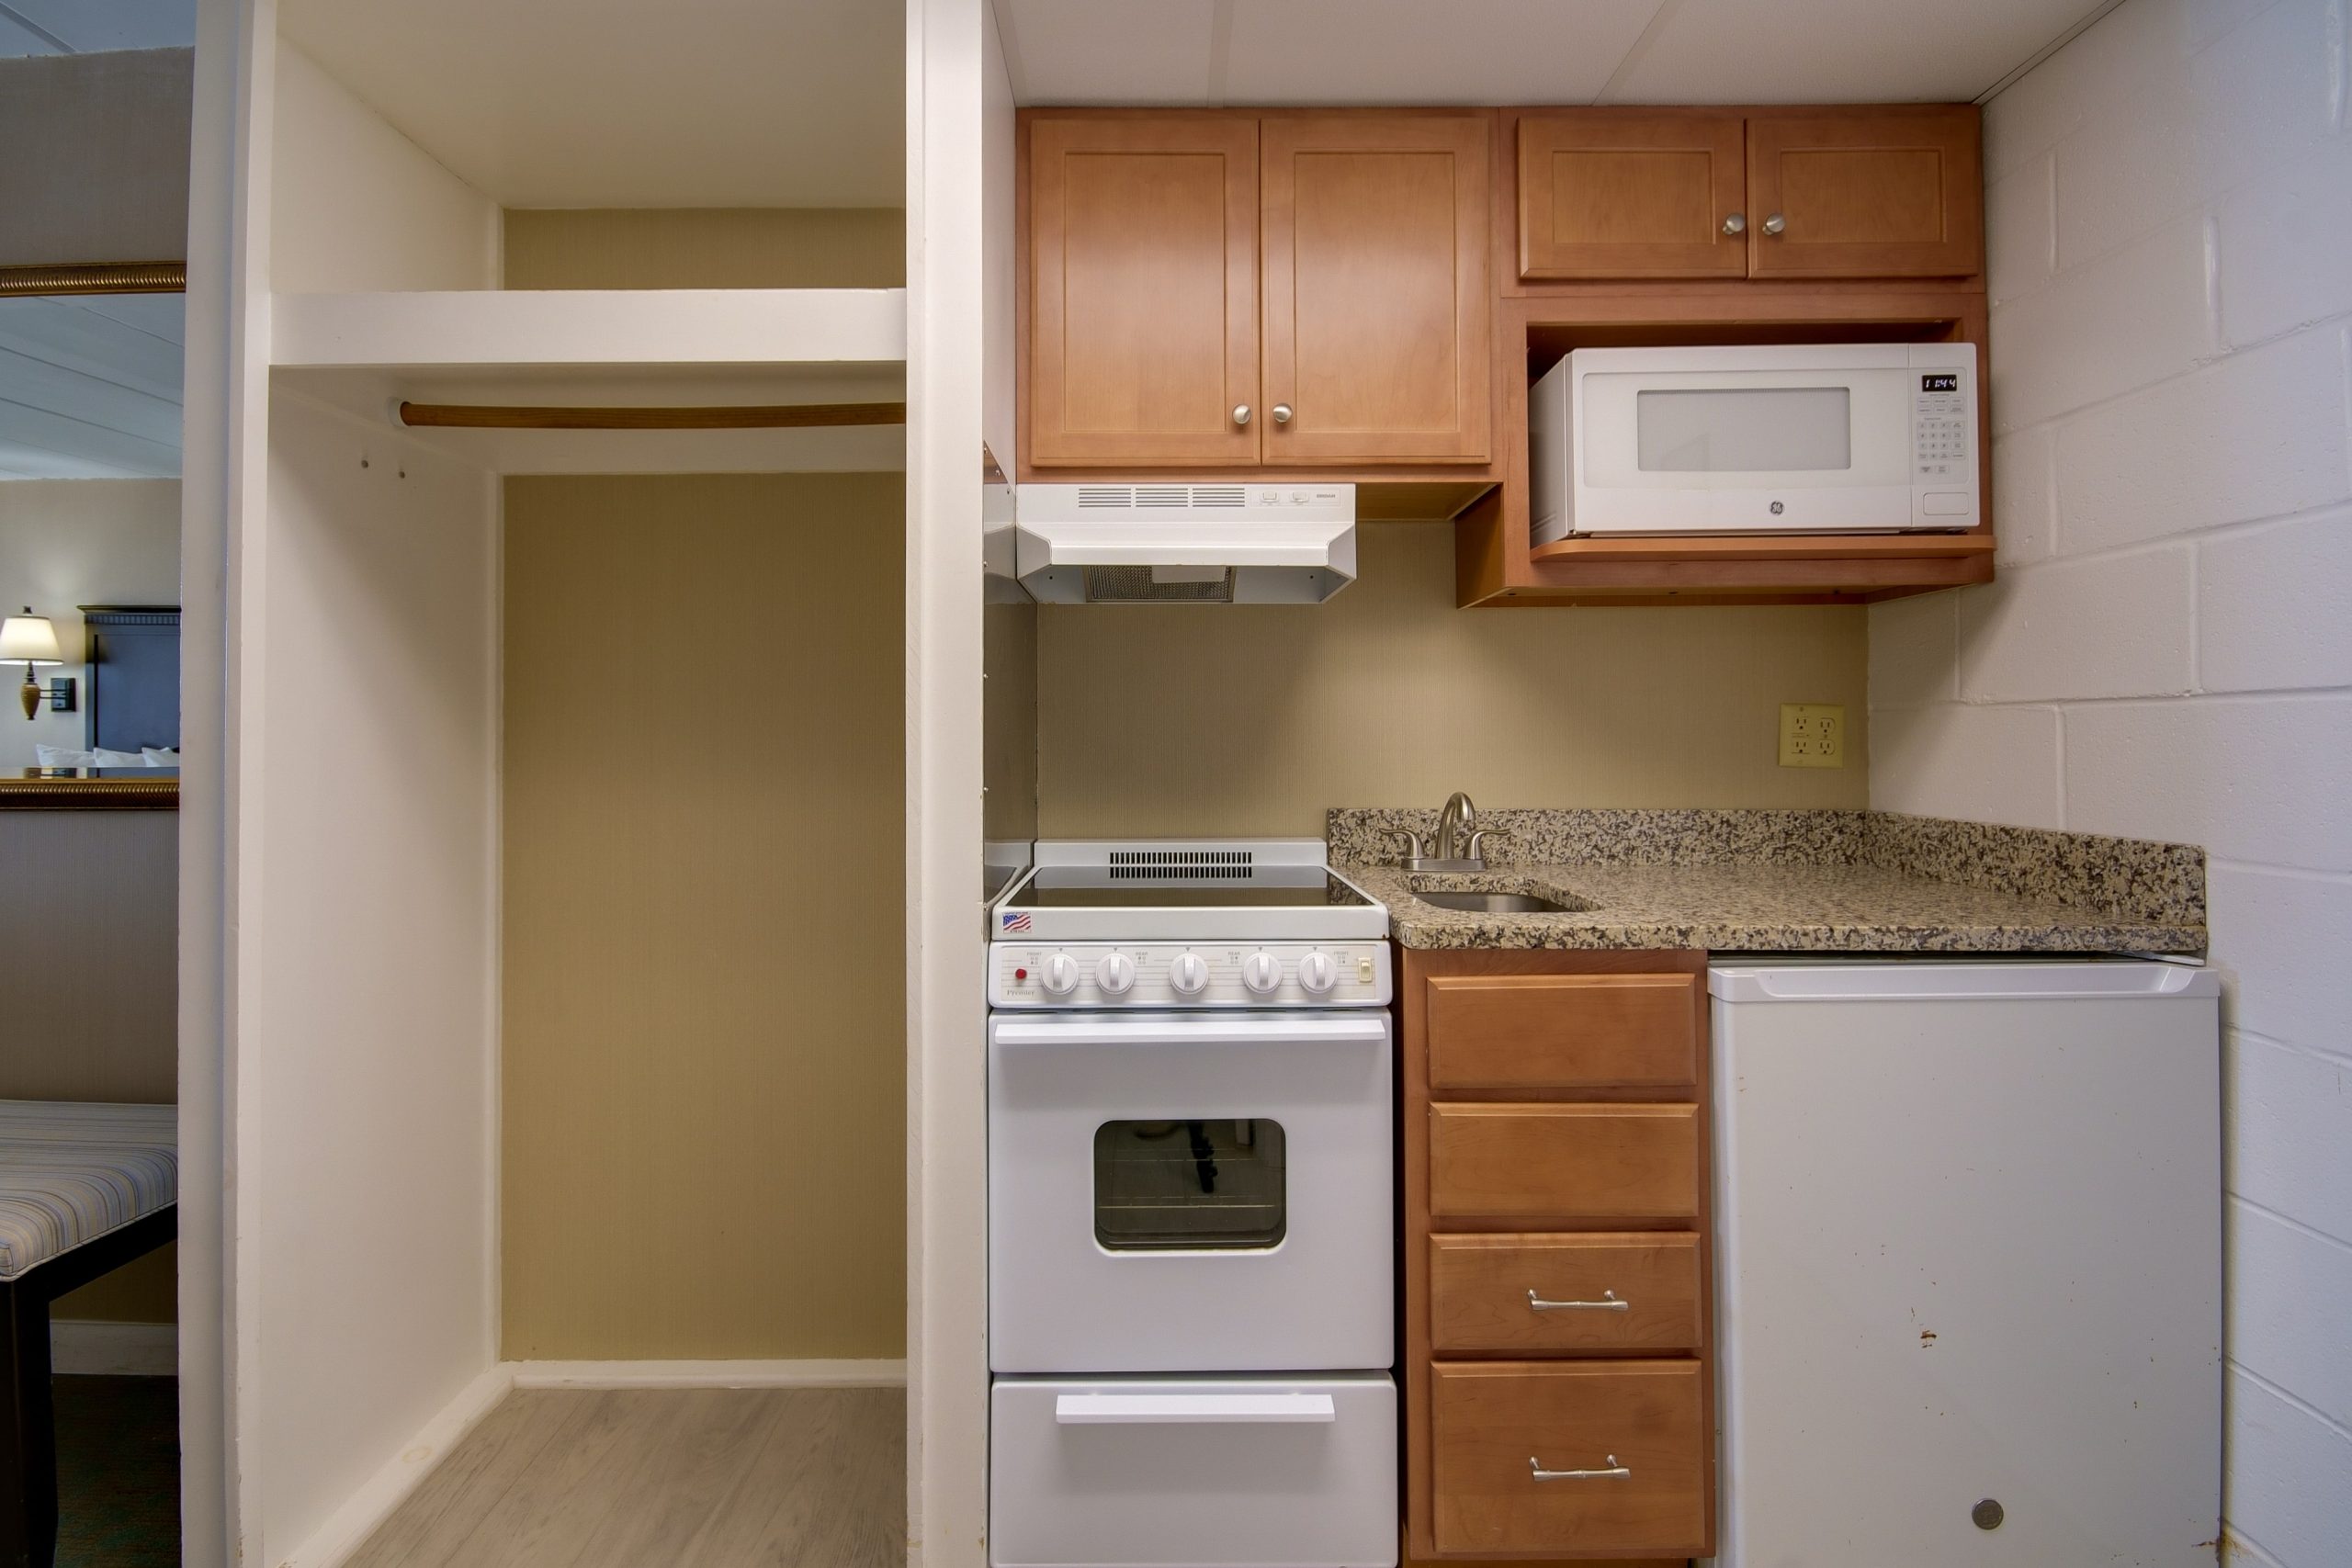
x=1889, y=192
x=1377, y=289
x=1143, y=309
x=1612, y=193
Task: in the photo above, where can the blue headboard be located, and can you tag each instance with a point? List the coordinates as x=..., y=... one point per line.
x=134, y=697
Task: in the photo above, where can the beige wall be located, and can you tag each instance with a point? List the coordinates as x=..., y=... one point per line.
x=88, y=986
x=98, y=157
x=70, y=542
x=706, y=248
x=703, y=955
x=1168, y=719
x=1009, y=721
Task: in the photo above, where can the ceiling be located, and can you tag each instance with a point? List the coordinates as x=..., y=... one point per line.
x=614, y=103
x=1524, y=51
x=85, y=26
x=90, y=387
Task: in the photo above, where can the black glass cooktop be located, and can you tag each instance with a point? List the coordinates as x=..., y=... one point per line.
x=1069, y=888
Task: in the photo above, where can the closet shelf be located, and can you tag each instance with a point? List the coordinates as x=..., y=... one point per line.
x=591, y=327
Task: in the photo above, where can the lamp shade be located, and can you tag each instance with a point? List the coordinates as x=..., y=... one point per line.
x=28, y=639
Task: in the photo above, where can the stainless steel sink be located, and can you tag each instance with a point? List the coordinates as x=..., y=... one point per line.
x=1496, y=903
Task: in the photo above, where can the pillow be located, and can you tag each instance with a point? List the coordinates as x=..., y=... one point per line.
x=161, y=756
x=107, y=759
x=64, y=757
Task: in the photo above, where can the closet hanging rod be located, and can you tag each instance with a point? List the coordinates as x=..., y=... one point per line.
x=769, y=416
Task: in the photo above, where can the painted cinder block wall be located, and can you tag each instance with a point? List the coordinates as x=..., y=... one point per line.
x=2168, y=652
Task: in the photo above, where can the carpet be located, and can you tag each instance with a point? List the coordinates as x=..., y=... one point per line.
x=117, y=1473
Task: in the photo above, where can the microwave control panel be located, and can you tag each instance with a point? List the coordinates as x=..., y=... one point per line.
x=1939, y=427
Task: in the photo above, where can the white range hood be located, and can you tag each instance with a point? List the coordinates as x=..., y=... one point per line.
x=1179, y=543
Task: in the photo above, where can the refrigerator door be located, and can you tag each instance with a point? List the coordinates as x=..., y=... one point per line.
x=1969, y=1271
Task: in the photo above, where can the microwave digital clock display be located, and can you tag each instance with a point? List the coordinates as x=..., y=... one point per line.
x=1947, y=383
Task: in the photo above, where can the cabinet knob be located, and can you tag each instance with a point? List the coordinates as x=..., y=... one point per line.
x=1735, y=224
x=1281, y=413
x=1242, y=413
x=1775, y=223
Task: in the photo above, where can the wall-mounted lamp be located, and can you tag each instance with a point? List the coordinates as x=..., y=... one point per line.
x=30, y=640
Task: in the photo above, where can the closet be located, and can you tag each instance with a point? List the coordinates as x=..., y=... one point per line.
x=564, y=669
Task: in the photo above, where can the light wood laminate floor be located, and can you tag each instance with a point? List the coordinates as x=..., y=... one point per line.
x=687, y=1478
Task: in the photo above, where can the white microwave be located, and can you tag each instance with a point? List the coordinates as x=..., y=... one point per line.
x=1800, y=439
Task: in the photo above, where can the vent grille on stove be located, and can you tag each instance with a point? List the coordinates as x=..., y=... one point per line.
x=1202, y=865
x=1125, y=498
x=1138, y=586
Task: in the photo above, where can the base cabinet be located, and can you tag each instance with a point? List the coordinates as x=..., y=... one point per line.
x=1558, y=1370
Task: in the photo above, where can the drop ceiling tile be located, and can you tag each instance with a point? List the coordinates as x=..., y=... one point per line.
x=1411, y=51
x=1839, y=50
x=1131, y=52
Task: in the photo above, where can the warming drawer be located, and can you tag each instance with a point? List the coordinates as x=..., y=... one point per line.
x=1205, y=1471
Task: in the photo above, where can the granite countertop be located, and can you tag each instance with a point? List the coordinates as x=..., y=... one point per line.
x=1790, y=881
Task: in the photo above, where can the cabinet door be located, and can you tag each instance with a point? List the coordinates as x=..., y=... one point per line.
x=1377, y=292
x=1143, y=322
x=1616, y=193
x=1866, y=193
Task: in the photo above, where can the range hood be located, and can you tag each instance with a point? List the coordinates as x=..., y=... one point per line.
x=1178, y=544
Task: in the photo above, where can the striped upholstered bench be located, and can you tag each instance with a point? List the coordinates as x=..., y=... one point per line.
x=84, y=1189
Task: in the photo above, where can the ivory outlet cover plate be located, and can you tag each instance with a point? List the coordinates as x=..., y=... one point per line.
x=1812, y=735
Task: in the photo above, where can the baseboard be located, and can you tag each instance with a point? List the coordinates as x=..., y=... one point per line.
x=348, y=1528
x=89, y=1347
x=709, y=1374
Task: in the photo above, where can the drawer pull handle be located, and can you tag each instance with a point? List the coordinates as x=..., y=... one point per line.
x=1608, y=1303
x=1614, y=1472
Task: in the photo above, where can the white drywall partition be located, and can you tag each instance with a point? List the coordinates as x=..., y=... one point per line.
x=2168, y=652
x=359, y=206
x=946, y=1089
x=223, y=412
x=369, y=939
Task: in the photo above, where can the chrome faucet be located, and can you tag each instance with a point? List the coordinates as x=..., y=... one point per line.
x=1458, y=844
x=1458, y=819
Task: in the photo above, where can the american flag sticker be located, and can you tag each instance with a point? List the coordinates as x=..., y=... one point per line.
x=1015, y=921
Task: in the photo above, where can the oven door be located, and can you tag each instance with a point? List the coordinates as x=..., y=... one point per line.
x=1189, y=1193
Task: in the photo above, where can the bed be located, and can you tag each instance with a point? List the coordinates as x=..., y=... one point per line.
x=83, y=1189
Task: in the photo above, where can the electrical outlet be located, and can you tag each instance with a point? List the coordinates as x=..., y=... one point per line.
x=1812, y=735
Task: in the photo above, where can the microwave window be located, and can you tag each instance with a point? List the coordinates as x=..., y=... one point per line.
x=1189, y=1185
x=1735, y=430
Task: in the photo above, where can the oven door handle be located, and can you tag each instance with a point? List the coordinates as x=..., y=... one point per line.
x=1193, y=1409
x=1367, y=1028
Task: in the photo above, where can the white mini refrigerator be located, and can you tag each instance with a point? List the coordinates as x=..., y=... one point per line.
x=1969, y=1263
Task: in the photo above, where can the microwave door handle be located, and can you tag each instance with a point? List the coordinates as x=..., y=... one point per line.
x=1194, y=1409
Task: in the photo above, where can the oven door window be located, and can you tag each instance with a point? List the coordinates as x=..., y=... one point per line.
x=1198, y=1186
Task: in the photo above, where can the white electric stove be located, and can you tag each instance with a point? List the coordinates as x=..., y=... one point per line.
x=1190, y=1265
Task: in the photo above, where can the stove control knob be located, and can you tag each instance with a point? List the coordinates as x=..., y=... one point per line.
x=1187, y=975
x=1261, y=972
x=1059, y=974
x=1317, y=974
x=1116, y=973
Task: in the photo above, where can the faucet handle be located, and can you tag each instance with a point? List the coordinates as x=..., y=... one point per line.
x=1413, y=846
x=1474, y=848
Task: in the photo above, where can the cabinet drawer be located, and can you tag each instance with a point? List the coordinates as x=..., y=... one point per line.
x=1563, y=1031
x=1564, y=1163
x=1481, y=1286
x=1493, y=1425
